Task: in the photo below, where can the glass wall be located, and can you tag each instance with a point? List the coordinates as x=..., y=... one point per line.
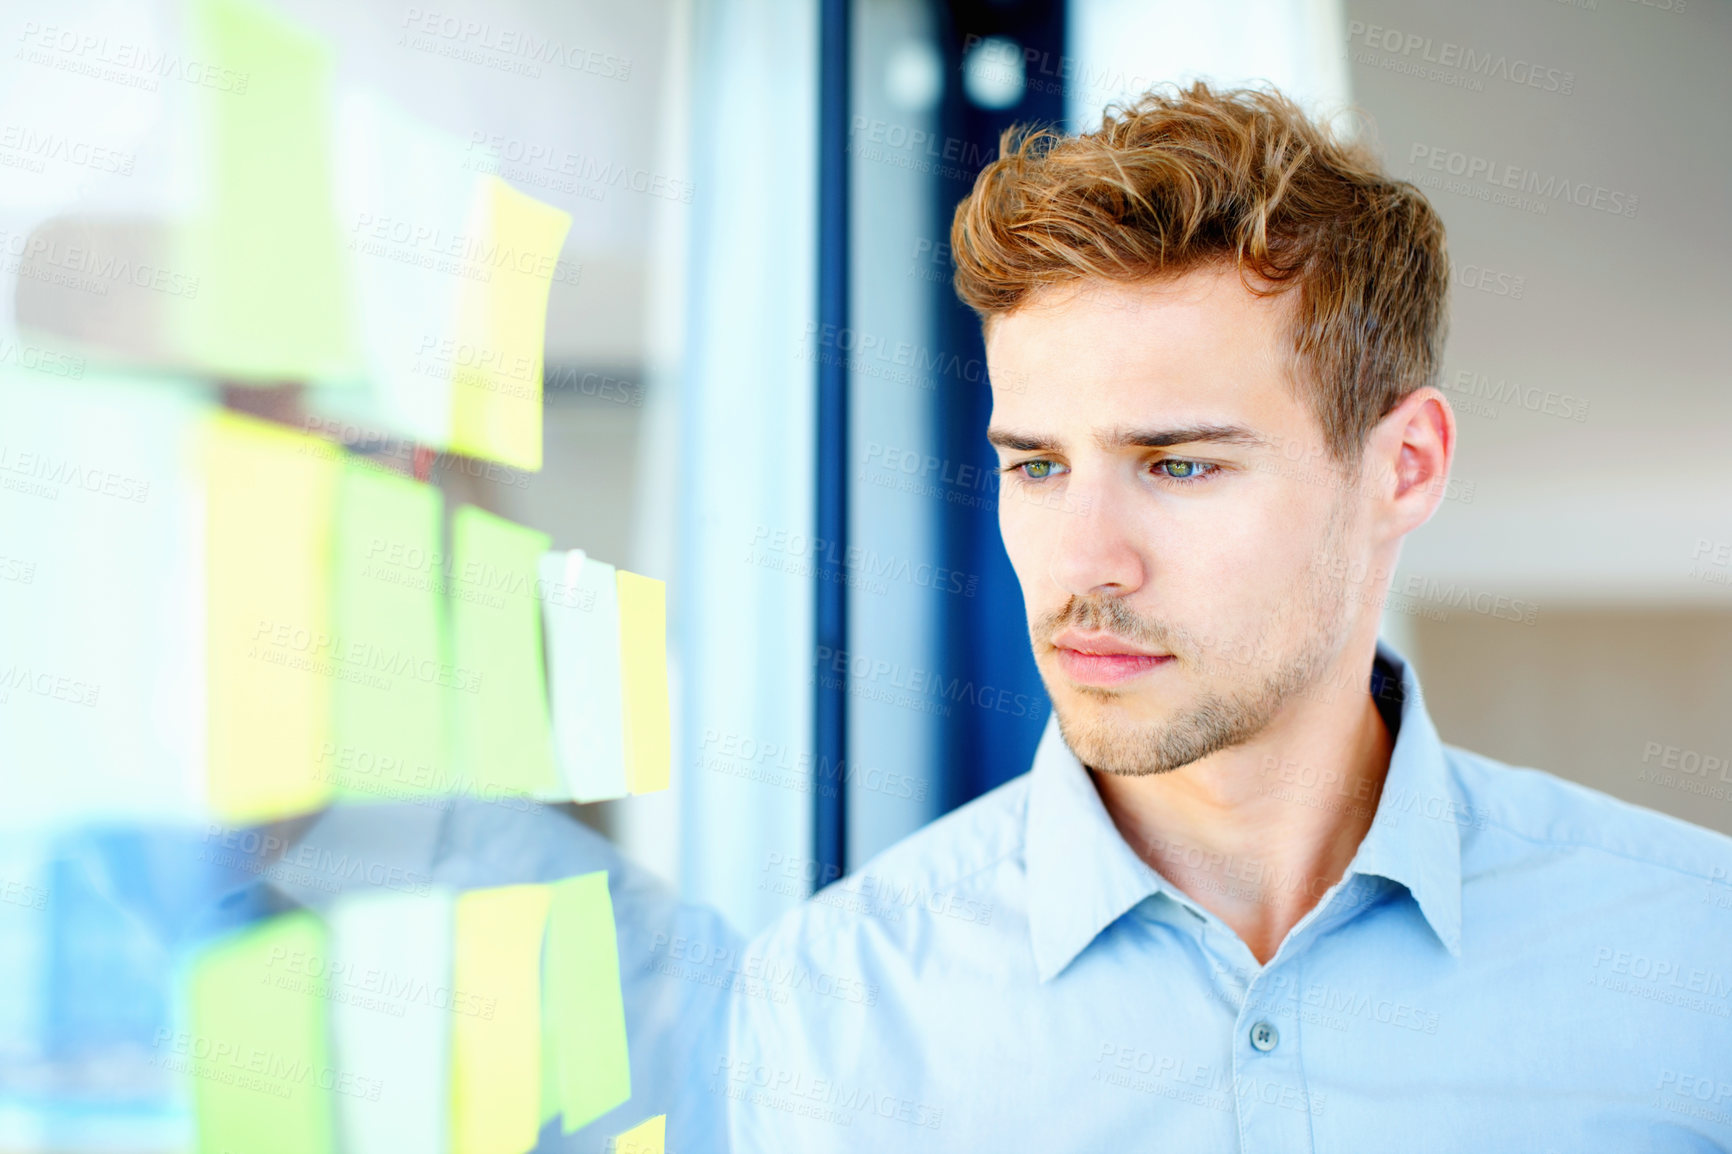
x=409, y=493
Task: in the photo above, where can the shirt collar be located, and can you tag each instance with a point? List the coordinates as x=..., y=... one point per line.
x=1082, y=876
x=1415, y=836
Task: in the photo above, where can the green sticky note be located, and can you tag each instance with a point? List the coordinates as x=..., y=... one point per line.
x=549, y=1063
x=586, y=1009
x=257, y=1049
x=388, y=717
x=273, y=295
x=504, y=736
x=496, y=1055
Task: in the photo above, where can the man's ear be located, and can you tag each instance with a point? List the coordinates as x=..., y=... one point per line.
x=1408, y=457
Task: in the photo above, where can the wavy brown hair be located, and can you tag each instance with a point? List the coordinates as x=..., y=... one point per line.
x=1182, y=179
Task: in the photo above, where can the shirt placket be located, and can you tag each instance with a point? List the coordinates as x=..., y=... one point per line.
x=1273, y=1099
x=1274, y=1102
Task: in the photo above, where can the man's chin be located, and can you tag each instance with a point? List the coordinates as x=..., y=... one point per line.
x=1113, y=737
x=1127, y=709
x=1107, y=737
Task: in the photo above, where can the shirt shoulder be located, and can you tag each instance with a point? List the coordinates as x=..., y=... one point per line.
x=842, y=1004
x=951, y=868
x=1579, y=906
x=1513, y=810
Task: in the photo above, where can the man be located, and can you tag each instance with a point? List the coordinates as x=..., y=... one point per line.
x=1245, y=899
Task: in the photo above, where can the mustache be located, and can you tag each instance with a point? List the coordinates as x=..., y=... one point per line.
x=1109, y=615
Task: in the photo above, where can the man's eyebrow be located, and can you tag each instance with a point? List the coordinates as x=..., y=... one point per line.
x=1123, y=438
x=1182, y=435
x=1017, y=442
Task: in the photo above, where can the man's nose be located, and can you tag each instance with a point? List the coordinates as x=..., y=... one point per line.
x=1096, y=551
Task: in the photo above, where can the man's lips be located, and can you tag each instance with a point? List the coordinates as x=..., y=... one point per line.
x=1102, y=659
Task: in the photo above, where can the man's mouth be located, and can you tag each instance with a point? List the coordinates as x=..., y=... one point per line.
x=1103, y=659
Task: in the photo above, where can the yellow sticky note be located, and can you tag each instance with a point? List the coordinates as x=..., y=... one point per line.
x=502, y=325
x=257, y=1047
x=270, y=497
x=646, y=1138
x=584, y=1004
x=643, y=667
x=496, y=1057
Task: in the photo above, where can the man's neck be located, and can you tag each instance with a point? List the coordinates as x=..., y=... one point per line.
x=1258, y=833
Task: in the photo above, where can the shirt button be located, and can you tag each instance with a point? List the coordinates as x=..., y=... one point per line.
x=1264, y=1037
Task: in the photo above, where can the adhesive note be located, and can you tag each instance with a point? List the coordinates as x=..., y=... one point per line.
x=256, y=1047
x=272, y=655
x=549, y=1063
x=272, y=300
x=581, y=613
x=643, y=664
x=586, y=1011
x=496, y=1060
x=102, y=669
x=388, y=718
x=645, y=1138
x=504, y=736
x=392, y=1005
x=502, y=322
x=404, y=197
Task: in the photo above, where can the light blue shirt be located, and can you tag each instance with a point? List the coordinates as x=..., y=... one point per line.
x=1511, y=963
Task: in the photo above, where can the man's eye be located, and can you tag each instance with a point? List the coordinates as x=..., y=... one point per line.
x=1036, y=470
x=1180, y=470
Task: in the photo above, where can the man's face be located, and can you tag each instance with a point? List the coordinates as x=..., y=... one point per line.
x=1171, y=512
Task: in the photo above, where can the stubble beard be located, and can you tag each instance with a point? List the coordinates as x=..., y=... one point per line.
x=1223, y=716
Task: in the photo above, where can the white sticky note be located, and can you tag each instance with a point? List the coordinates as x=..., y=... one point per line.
x=103, y=681
x=581, y=612
x=404, y=198
x=391, y=1008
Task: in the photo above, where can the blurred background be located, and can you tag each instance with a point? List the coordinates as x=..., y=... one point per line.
x=757, y=385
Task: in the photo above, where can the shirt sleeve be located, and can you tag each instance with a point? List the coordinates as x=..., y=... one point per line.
x=770, y=1069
